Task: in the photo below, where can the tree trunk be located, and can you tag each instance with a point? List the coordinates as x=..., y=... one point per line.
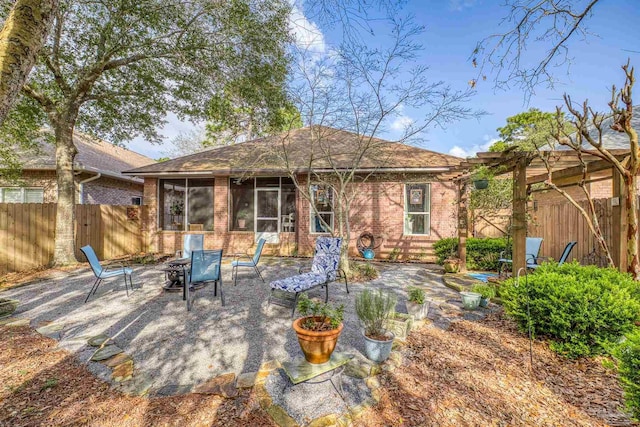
x=631, y=200
x=23, y=34
x=64, y=253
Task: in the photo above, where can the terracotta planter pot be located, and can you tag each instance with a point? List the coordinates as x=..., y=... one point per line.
x=316, y=346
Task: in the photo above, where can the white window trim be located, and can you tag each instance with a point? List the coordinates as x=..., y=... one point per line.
x=22, y=193
x=312, y=214
x=406, y=213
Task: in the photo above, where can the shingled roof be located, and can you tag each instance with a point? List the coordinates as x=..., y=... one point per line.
x=94, y=155
x=325, y=147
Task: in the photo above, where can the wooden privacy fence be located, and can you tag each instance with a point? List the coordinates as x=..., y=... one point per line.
x=561, y=223
x=27, y=233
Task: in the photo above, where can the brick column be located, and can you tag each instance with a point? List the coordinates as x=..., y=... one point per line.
x=221, y=209
x=150, y=219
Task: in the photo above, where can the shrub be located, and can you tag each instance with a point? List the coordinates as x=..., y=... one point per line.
x=627, y=354
x=482, y=254
x=487, y=291
x=581, y=310
x=363, y=272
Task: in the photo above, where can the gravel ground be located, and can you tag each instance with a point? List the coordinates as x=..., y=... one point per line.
x=175, y=349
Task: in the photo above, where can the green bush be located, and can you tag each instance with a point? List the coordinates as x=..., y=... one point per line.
x=627, y=354
x=482, y=254
x=581, y=310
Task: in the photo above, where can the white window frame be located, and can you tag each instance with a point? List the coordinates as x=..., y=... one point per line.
x=139, y=200
x=312, y=213
x=22, y=193
x=406, y=212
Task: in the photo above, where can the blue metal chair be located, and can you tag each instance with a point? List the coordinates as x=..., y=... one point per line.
x=192, y=242
x=563, y=258
x=324, y=270
x=101, y=273
x=205, y=267
x=251, y=263
x=532, y=249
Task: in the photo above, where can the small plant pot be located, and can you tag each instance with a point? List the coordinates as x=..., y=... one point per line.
x=242, y=223
x=481, y=184
x=377, y=351
x=317, y=346
x=484, y=302
x=418, y=311
x=470, y=300
x=7, y=306
x=400, y=325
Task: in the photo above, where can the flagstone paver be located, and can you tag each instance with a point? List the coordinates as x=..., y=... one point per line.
x=106, y=352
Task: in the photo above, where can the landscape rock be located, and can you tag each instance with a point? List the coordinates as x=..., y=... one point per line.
x=246, y=380
x=281, y=417
x=223, y=385
x=106, y=352
x=98, y=340
x=116, y=360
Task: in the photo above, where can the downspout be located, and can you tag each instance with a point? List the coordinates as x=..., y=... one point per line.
x=81, y=185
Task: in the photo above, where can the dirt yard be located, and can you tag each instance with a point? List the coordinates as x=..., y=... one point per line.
x=472, y=374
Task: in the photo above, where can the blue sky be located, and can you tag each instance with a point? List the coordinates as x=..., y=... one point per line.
x=453, y=27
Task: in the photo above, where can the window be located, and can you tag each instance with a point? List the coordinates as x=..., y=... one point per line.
x=417, y=208
x=22, y=195
x=263, y=205
x=136, y=201
x=186, y=204
x=322, y=199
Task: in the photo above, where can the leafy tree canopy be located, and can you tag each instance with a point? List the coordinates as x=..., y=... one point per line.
x=525, y=131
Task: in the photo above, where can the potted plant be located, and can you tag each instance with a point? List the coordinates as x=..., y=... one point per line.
x=480, y=178
x=470, y=300
x=177, y=207
x=417, y=305
x=486, y=293
x=318, y=330
x=374, y=308
x=399, y=324
x=451, y=264
x=242, y=215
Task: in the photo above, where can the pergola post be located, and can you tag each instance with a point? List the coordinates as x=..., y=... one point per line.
x=519, y=214
x=619, y=222
x=463, y=224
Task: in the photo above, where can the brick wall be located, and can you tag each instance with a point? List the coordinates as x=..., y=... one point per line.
x=378, y=208
x=108, y=191
x=31, y=178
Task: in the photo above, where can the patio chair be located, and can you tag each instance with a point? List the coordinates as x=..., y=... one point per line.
x=324, y=270
x=251, y=263
x=205, y=268
x=191, y=242
x=563, y=258
x=532, y=249
x=102, y=273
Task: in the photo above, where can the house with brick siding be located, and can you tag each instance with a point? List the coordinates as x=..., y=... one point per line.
x=236, y=194
x=98, y=178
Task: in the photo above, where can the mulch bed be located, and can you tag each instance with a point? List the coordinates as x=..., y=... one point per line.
x=473, y=374
x=479, y=374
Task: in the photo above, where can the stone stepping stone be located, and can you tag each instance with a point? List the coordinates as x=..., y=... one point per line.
x=123, y=371
x=98, y=340
x=50, y=329
x=14, y=323
x=246, y=380
x=106, y=352
x=138, y=386
x=223, y=385
x=116, y=360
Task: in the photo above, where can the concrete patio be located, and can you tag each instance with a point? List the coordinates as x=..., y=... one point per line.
x=175, y=350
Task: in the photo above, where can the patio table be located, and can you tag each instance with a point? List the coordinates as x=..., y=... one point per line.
x=176, y=270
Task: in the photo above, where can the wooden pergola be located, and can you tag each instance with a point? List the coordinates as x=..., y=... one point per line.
x=528, y=168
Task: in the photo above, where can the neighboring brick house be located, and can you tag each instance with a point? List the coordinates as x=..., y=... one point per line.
x=98, y=167
x=236, y=194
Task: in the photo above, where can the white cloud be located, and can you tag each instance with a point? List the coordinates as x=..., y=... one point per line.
x=307, y=34
x=459, y=5
x=458, y=151
x=401, y=122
